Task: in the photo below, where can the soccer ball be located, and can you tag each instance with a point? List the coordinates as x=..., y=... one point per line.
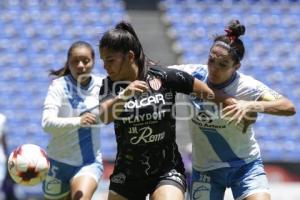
x=28, y=165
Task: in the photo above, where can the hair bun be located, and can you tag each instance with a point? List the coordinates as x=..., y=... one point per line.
x=126, y=26
x=122, y=25
x=235, y=28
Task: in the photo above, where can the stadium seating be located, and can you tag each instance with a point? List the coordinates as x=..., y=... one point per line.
x=35, y=36
x=272, y=43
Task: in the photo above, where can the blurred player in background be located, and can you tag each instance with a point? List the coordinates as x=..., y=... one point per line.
x=6, y=183
x=138, y=97
x=71, y=116
x=225, y=152
x=3, y=153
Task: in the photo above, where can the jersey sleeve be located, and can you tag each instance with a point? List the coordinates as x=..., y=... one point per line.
x=252, y=89
x=266, y=92
x=51, y=123
x=179, y=81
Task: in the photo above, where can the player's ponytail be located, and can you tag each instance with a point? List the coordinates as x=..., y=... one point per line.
x=231, y=40
x=60, y=72
x=124, y=39
x=65, y=70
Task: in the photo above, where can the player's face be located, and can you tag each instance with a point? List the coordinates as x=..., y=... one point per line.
x=221, y=66
x=115, y=63
x=81, y=63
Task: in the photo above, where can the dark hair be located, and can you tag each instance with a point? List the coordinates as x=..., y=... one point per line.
x=65, y=70
x=123, y=39
x=231, y=40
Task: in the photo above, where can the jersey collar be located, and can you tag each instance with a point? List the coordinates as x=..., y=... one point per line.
x=223, y=85
x=74, y=82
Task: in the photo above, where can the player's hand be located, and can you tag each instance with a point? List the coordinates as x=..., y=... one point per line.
x=236, y=112
x=224, y=98
x=240, y=112
x=133, y=88
x=249, y=119
x=87, y=119
x=229, y=101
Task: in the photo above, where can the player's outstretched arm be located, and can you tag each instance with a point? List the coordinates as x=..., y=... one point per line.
x=274, y=106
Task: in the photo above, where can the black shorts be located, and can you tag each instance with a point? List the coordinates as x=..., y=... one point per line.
x=139, y=189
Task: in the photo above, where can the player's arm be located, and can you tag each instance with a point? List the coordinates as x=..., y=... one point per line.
x=275, y=105
x=112, y=107
x=217, y=96
x=53, y=124
x=270, y=102
x=187, y=84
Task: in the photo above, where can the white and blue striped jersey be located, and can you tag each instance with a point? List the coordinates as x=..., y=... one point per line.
x=217, y=144
x=65, y=102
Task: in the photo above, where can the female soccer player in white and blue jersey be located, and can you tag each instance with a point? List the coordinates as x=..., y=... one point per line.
x=224, y=155
x=71, y=116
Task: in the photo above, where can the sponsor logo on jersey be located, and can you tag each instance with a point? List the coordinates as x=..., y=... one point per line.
x=205, y=120
x=155, y=84
x=118, y=178
x=146, y=136
x=144, y=117
x=180, y=75
x=204, y=117
x=158, y=98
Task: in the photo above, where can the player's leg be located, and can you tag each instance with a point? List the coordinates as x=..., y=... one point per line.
x=83, y=187
x=259, y=196
x=167, y=192
x=56, y=185
x=85, y=181
x=250, y=182
x=209, y=185
x=122, y=189
x=115, y=196
x=68, y=197
x=171, y=186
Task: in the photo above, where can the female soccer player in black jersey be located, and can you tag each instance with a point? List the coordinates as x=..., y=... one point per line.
x=139, y=98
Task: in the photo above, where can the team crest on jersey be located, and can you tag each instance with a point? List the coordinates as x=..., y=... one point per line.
x=155, y=83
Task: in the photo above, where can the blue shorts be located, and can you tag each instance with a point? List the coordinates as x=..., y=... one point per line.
x=243, y=181
x=57, y=183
